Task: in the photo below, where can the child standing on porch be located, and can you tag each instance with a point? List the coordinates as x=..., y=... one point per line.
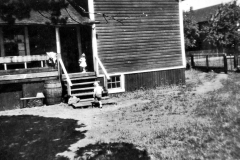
x=97, y=94
x=82, y=63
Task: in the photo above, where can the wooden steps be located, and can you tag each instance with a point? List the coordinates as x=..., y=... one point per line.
x=82, y=78
x=83, y=83
x=83, y=88
x=77, y=75
x=82, y=94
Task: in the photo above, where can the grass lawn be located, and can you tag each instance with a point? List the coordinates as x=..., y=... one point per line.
x=176, y=123
x=161, y=123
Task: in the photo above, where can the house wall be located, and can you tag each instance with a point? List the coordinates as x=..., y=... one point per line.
x=10, y=95
x=148, y=36
x=11, y=92
x=154, y=79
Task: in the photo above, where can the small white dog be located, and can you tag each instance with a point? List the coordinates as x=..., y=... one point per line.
x=52, y=57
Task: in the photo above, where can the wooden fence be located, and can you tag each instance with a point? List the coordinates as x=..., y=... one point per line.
x=219, y=62
x=210, y=62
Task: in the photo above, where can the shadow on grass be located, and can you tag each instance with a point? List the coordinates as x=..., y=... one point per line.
x=112, y=151
x=35, y=138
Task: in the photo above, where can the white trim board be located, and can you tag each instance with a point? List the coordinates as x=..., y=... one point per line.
x=150, y=70
x=182, y=32
x=94, y=37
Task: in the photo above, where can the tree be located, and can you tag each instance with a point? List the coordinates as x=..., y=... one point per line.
x=222, y=28
x=191, y=31
x=10, y=10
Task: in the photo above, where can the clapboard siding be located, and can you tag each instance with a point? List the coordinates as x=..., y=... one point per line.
x=129, y=31
x=122, y=46
x=142, y=59
x=148, y=37
x=136, y=36
x=137, y=41
x=131, y=68
x=133, y=57
x=154, y=79
x=139, y=48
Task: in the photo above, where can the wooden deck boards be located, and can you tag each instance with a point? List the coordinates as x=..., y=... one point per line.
x=89, y=103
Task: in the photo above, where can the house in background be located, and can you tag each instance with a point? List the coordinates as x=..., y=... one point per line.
x=129, y=45
x=201, y=16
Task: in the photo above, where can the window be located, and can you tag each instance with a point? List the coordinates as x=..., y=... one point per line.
x=116, y=84
x=14, y=41
x=42, y=39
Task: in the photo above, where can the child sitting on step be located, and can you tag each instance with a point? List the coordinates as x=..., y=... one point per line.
x=97, y=94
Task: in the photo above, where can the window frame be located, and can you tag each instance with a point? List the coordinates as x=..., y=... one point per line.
x=17, y=37
x=122, y=84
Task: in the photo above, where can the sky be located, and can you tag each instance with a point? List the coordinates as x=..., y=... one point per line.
x=197, y=4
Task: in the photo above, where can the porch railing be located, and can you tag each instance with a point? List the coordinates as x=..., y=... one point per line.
x=69, y=82
x=104, y=71
x=102, y=67
x=23, y=59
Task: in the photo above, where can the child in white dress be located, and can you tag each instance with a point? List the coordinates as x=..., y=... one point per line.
x=97, y=94
x=82, y=63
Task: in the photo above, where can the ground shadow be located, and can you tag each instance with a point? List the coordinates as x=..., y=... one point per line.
x=29, y=137
x=112, y=151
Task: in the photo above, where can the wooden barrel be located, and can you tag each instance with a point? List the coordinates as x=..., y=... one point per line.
x=53, y=92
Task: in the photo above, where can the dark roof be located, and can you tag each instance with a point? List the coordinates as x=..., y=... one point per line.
x=202, y=15
x=71, y=15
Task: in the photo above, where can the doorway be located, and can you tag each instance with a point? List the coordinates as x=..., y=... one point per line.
x=70, y=37
x=69, y=49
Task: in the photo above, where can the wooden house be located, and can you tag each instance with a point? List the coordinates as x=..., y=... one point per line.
x=201, y=16
x=129, y=44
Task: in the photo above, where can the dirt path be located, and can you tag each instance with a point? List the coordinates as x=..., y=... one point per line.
x=87, y=116
x=212, y=85
x=205, y=82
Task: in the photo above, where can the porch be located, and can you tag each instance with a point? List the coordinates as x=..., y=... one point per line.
x=25, y=67
x=24, y=64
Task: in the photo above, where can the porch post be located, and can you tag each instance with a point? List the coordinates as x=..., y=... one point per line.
x=1, y=43
x=94, y=38
x=58, y=41
x=58, y=49
x=27, y=40
x=79, y=41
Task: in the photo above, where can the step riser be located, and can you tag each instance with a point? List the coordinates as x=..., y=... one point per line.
x=83, y=89
x=77, y=75
x=83, y=78
x=82, y=81
x=84, y=98
x=81, y=92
